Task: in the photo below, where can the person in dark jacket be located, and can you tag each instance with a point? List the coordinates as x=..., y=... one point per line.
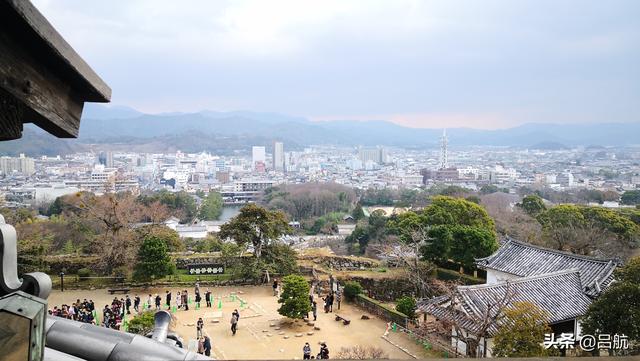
x=207, y=346
x=306, y=351
x=324, y=352
x=127, y=304
x=168, y=300
x=136, y=303
x=207, y=298
x=158, y=300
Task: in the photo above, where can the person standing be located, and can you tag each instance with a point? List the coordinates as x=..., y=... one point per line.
x=199, y=326
x=338, y=298
x=200, y=345
x=168, y=300
x=136, y=304
x=234, y=323
x=314, y=308
x=324, y=351
x=198, y=299
x=158, y=301
x=306, y=351
x=275, y=287
x=127, y=304
x=178, y=300
x=149, y=301
x=325, y=303
x=185, y=300
x=197, y=287
x=207, y=346
x=331, y=302
x=207, y=297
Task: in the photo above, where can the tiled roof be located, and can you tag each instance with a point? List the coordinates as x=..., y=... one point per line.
x=524, y=259
x=559, y=293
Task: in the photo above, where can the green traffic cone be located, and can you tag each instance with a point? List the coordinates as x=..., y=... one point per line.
x=220, y=303
x=174, y=309
x=197, y=306
x=189, y=300
x=394, y=327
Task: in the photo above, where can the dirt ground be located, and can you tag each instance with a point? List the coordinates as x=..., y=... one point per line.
x=262, y=332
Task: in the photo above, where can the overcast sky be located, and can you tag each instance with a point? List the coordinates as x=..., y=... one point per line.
x=481, y=64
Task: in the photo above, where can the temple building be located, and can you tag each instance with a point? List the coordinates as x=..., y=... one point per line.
x=561, y=283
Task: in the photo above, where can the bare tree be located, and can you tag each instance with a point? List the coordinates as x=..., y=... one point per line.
x=489, y=317
x=406, y=255
x=361, y=353
x=586, y=239
x=115, y=214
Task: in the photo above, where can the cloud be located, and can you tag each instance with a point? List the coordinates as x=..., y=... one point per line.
x=473, y=63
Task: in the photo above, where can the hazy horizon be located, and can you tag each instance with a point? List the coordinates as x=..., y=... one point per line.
x=423, y=64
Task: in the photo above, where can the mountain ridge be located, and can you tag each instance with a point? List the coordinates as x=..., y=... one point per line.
x=236, y=131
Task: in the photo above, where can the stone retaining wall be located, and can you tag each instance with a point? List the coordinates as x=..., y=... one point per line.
x=374, y=307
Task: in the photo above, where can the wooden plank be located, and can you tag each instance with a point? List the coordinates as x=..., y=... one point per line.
x=53, y=104
x=95, y=89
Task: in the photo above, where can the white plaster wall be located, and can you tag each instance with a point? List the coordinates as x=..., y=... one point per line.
x=494, y=276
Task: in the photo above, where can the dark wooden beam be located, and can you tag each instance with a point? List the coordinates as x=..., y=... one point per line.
x=41, y=76
x=11, y=113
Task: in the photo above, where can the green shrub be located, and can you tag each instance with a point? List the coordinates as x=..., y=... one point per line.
x=407, y=305
x=351, y=290
x=84, y=273
x=142, y=324
x=121, y=272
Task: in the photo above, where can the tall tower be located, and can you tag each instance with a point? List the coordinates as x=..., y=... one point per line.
x=444, y=160
x=278, y=156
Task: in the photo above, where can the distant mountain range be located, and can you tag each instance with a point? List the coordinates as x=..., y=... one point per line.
x=224, y=132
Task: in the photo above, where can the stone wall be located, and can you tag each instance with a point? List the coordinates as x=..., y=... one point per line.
x=384, y=289
x=343, y=263
x=385, y=312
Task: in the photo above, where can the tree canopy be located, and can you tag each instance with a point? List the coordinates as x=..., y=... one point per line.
x=630, y=197
x=584, y=230
x=153, y=262
x=294, y=298
x=521, y=332
x=255, y=226
x=181, y=204
x=211, y=207
x=532, y=205
x=617, y=310
x=450, y=228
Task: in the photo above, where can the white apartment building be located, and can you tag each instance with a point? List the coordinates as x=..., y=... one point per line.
x=23, y=165
x=278, y=156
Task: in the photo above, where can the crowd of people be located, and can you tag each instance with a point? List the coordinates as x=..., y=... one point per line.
x=77, y=311
x=114, y=314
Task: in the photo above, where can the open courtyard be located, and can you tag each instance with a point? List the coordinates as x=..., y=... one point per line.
x=262, y=332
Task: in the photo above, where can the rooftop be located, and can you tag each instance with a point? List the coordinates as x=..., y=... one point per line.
x=558, y=293
x=524, y=260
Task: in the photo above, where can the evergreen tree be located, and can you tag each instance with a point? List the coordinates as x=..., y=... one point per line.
x=294, y=297
x=153, y=260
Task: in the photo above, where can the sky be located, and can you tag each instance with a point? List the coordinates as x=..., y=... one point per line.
x=451, y=63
